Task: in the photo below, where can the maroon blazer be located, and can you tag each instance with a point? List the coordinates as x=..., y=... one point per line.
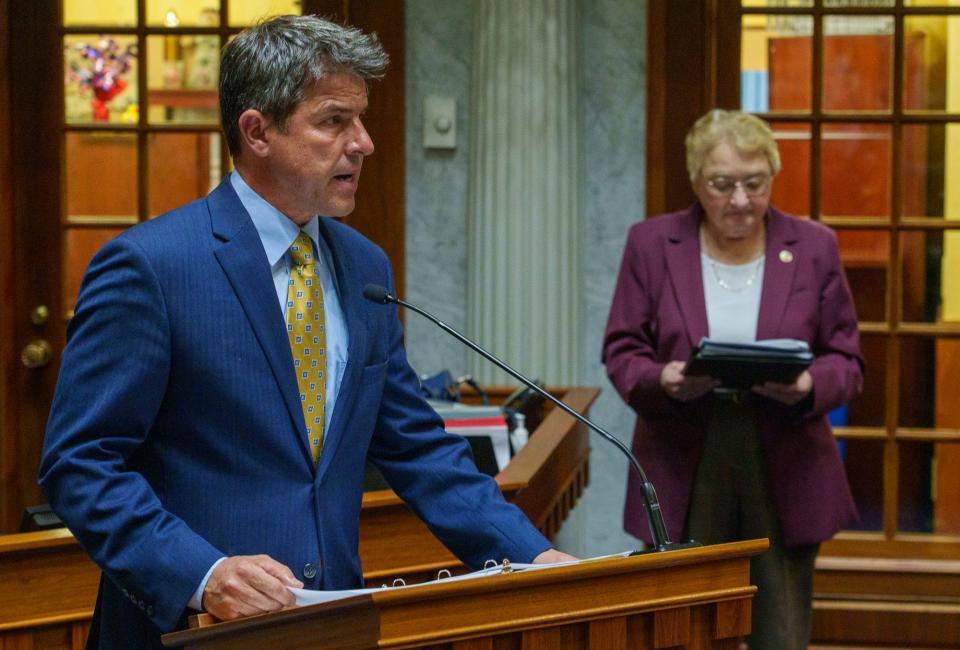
x=659, y=314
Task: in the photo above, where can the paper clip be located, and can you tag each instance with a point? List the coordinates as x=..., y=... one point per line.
x=444, y=573
x=490, y=564
x=399, y=582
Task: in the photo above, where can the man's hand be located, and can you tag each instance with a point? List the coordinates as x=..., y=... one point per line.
x=245, y=585
x=552, y=556
x=683, y=387
x=788, y=394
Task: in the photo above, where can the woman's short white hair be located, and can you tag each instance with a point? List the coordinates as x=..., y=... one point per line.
x=747, y=133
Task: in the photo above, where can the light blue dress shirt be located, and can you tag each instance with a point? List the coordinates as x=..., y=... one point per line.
x=277, y=233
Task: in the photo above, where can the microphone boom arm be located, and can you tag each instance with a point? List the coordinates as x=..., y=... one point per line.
x=658, y=530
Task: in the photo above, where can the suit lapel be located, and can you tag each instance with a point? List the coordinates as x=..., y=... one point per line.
x=245, y=264
x=352, y=303
x=683, y=265
x=778, y=271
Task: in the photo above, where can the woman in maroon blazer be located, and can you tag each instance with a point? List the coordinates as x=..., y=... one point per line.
x=738, y=465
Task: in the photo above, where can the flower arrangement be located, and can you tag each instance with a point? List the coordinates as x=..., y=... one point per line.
x=100, y=69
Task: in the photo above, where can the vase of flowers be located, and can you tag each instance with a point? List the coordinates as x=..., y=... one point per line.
x=99, y=69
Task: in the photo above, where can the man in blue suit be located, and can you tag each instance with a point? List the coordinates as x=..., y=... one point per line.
x=177, y=449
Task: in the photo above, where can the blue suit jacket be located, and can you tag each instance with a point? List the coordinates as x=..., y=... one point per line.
x=176, y=435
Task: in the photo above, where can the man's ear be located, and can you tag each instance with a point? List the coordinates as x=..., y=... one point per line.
x=253, y=132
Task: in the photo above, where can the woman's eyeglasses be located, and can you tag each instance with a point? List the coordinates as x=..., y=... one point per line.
x=756, y=185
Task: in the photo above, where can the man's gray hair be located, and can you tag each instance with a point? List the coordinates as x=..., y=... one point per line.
x=272, y=66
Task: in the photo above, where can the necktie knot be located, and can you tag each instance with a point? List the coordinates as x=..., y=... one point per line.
x=301, y=250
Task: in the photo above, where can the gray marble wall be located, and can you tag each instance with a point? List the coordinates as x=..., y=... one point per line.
x=613, y=83
x=438, y=60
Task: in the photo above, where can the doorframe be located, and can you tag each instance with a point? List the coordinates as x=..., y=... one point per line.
x=32, y=242
x=7, y=423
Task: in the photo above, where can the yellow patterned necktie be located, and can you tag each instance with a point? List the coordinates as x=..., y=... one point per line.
x=308, y=339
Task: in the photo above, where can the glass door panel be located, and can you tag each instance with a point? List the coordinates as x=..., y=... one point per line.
x=776, y=63
x=931, y=71
x=917, y=372
x=946, y=455
x=791, y=188
x=914, y=496
x=100, y=78
x=921, y=256
x=777, y=3
x=864, y=254
x=111, y=13
x=101, y=177
x=249, y=12
x=182, y=167
x=867, y=409
x=80, y=243
x=858, y=3
x=863, y=461
x=855, y=170
x=182, y=74
x=183, y=13
x=857, y=63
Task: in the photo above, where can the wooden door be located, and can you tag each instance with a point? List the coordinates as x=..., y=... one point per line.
x=32, y=248
x=129, y=172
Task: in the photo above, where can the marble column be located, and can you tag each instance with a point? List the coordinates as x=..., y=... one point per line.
x=523, y=206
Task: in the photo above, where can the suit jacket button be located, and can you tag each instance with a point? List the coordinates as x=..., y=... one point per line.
x=309, y=571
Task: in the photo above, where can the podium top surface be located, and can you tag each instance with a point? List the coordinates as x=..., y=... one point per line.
x=443, y=611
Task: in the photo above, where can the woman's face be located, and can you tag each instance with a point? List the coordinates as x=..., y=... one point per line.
x=734, y=189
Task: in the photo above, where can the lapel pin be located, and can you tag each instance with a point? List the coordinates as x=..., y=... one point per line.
x=786, y=256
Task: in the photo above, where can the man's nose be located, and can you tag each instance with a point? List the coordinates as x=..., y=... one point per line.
x=361, y=143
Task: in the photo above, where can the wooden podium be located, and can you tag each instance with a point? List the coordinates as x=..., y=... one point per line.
x=48, y=585
x=691, y=598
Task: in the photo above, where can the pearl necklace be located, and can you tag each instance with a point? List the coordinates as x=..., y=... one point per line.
x=726, y=286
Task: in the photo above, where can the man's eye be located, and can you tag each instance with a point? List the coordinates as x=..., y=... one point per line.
x=753, y=184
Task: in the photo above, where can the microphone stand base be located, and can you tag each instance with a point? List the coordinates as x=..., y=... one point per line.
x=669, y=546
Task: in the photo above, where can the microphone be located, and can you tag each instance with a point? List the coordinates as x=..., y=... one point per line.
x=658, y=530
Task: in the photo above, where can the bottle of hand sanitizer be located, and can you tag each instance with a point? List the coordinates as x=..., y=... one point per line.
x=519, y=435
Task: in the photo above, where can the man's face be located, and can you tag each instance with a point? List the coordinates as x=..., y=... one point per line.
x=314, y=165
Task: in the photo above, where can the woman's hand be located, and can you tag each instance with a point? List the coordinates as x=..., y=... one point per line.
x=788, y=394
x=683, y=387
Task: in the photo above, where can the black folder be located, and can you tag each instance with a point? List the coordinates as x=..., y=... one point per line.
x=742, y=365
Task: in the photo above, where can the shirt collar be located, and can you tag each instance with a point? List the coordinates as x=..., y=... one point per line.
x=276, y=230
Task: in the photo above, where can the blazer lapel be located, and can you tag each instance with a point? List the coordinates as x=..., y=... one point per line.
x=686, y=276
x=245, y=264
x=353, y=304
x=778, y=271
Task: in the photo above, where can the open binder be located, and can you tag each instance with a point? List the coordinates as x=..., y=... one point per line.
x=742, y=365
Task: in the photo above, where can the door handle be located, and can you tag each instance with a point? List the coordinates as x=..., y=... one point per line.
x=36, y=354
x=39, y=315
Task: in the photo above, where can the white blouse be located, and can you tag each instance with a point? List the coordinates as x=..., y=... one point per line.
x=732, y=294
